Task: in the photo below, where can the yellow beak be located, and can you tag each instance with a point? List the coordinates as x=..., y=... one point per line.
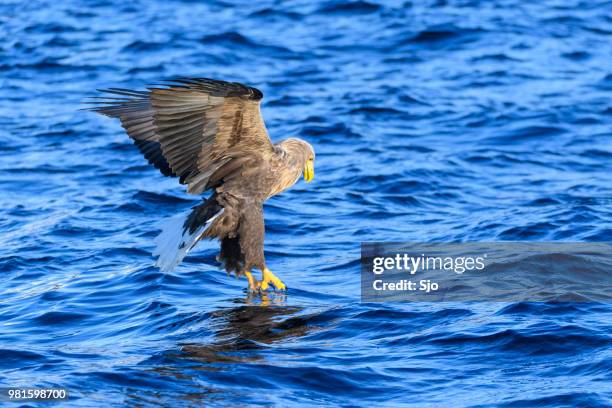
x=309, y=171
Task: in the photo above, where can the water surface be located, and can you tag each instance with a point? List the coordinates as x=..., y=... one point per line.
x=448, y=121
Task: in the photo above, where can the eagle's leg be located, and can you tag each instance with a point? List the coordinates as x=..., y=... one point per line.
x=253, y=283
x=251, y=243
x=267, y=278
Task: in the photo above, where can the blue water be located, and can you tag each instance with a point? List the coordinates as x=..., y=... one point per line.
x=432, y=121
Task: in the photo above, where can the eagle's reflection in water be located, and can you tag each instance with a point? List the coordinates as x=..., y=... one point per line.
x=240, y=332
x=241, y=339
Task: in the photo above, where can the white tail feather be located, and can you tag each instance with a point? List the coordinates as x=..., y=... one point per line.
x=174, y=242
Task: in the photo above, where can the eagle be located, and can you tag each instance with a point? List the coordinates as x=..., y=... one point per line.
x=211, y=135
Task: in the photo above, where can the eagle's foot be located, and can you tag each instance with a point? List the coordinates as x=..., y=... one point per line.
x=267, y=278
x=254, y=284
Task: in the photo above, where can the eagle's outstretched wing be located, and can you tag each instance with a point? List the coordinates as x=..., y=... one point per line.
x=198, y=129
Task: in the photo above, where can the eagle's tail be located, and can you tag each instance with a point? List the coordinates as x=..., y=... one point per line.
x=181, y=232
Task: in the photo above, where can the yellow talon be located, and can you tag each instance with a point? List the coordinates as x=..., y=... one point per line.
x=253, y=283
x=268, y=278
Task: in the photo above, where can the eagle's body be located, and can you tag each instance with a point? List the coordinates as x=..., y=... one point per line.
x=211, y=135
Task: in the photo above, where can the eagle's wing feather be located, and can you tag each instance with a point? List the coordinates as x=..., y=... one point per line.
x=200, y=130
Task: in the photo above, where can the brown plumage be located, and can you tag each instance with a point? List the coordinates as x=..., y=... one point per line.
x=210, y=134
